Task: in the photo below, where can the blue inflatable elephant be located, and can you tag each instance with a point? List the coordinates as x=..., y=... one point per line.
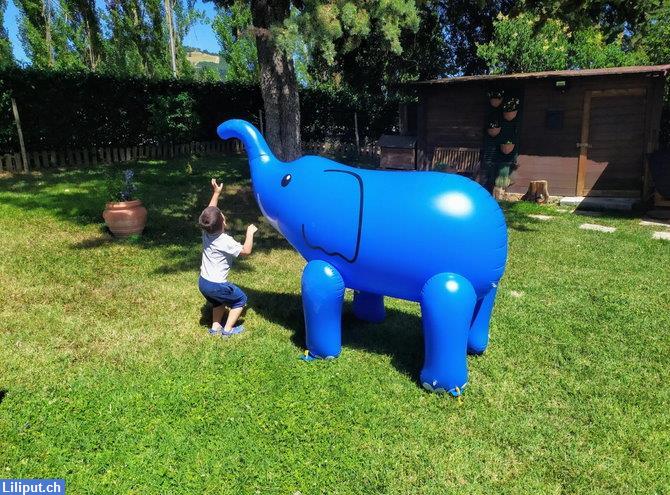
x=439, y=239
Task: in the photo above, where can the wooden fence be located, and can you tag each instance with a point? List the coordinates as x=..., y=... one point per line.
x=466, y=161
x=68, y=158
x=39, y=160
x=314, y=147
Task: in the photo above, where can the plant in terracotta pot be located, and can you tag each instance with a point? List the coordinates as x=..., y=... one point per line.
x=493, y=129
x=510, y=108
x=496, y=97
x=124, y=215
x=507, y=147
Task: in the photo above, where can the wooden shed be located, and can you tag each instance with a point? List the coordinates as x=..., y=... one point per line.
x=587, y=132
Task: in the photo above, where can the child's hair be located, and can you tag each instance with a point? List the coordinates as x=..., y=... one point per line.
x=211, y=220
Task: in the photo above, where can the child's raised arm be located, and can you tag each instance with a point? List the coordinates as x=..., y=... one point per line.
x=249, y=240
x=216, y=192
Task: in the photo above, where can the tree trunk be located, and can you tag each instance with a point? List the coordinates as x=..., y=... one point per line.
x=538, y=192
x=279, y=85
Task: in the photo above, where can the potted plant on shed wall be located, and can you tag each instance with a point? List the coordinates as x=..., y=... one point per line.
x=510, y=109
x=507, y=147
x=495, y=97
x=493, y=129
x=125, y=215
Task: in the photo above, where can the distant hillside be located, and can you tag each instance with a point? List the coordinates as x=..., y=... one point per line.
x=197, y=56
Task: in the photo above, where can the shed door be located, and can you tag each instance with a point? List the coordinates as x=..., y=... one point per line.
x=611, y=161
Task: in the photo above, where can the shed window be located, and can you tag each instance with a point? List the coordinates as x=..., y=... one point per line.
x=553, y=119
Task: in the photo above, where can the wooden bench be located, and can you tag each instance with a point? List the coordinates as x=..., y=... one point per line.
x=463, y=161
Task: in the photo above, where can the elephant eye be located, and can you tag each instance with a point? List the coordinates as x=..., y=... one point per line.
x=285, y=180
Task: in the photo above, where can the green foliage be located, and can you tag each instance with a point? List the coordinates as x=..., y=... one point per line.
x=320, y=24
x=174, y=117
x=517, y=46
x=589, y=50
x=527, y=43
x=465, y=25
x=121, y=186
x=84, y=109
x=238, y=46
x=208, y=72
x=656, y=33
x=6, y=54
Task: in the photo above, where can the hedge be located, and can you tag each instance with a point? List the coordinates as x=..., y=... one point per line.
x=61, y=110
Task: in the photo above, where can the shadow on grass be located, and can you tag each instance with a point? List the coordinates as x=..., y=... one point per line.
x=173, y=197
x=399, y=336
x=3, y=394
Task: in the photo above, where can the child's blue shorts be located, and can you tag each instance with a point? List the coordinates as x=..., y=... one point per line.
x=225, y=293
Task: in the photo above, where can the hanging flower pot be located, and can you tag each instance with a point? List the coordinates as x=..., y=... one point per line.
x=493, y=129
x=507, y=148
x=511, y=115
x=510, y=109
x=496, y=97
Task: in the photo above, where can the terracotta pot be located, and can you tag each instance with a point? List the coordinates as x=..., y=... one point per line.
x=125, y=218
x=508, y=116
x=493, y=131
x=495, y=102
x=507, y=148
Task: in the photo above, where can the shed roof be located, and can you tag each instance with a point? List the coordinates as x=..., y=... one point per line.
x=661, y=70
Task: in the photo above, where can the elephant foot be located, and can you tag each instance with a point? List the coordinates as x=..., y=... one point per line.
x=478, y=337
x=322, y=297
x=454, y=392
x=447, y=306
x=309, y=357
x=369, y=307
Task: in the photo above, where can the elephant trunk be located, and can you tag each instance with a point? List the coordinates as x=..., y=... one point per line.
x=254, y=143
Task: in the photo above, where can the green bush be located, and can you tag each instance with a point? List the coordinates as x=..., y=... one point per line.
x=75, y=109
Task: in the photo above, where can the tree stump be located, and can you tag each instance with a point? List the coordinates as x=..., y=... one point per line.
x=538, y=192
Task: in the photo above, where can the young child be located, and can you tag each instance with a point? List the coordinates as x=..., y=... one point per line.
x=219, y=251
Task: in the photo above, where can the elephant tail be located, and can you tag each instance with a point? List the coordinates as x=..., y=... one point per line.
x=253, y=140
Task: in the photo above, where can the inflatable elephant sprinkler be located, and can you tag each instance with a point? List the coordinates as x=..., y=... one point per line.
x=435, y=238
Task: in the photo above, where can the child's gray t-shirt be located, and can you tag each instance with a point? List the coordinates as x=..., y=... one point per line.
x=218, y=253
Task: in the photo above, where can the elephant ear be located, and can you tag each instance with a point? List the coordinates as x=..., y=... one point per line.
x=335, y=219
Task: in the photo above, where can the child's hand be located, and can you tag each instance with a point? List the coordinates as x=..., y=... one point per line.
x=252, y=229
x=216, y=188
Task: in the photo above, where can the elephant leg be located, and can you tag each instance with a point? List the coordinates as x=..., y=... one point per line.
x=322, y=296
x=478, y=338
x=447, y=304
x=369, y=307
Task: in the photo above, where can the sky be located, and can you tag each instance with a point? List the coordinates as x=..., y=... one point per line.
x=200, y=36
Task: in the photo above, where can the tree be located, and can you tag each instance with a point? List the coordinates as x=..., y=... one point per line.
x=467, y=24
x=238, y=47
x=528, y=43
x=82, y=19
x=6, y=55
x=283, y=27
x=655, y=33
x=139, y=40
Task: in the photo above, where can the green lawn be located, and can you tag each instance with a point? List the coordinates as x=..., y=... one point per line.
x=109, y=379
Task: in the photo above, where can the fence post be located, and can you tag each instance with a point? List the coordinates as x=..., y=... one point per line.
x=17, y=120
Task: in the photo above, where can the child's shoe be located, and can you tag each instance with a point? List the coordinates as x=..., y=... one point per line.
x=215, y=331
x=234, y=331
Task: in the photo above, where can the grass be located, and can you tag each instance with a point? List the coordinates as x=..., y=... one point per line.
x=109, y=380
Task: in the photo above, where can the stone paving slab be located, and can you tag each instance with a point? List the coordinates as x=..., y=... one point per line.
x=596, y=227
x=661, y=235
x=655, y=223
x=543, y=218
